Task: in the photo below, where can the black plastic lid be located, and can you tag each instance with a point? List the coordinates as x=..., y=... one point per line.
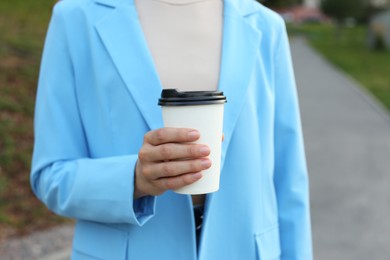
x=174, y=97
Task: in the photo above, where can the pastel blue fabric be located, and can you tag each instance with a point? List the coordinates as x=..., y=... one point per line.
x=97, y=97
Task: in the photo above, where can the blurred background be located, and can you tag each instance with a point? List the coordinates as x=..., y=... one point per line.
x=23, y=25
x=341, y=52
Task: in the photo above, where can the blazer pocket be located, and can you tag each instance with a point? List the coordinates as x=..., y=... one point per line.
x=98, y=241
x=268, y=244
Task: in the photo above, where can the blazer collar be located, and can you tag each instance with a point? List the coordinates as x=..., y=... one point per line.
x=128, y=50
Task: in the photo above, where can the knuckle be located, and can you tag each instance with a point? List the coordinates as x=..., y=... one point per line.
x=160, y=135
x=194, y=167
x=166, y=151
x=147, y=137
x=191, y=150
x=195, y=151
x=142, y=155
x=167, y=169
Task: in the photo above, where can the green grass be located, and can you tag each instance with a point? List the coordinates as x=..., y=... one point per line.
x=348, y=50
x=23, y=26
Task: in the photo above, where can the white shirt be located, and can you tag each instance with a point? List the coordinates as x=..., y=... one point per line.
x=185, y=40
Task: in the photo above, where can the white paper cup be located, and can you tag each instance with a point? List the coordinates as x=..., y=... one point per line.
x=203, y=111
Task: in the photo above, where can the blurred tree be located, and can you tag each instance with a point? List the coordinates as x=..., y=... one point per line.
x=374, y=7
x=280, y=3
x=340, y=10
x=360, y=10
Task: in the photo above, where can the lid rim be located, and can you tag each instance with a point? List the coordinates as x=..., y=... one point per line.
x=194, y=103
x=174, y=97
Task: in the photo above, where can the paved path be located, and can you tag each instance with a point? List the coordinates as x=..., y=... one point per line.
x=347, y=136
x=348, y=149
x=52, y=244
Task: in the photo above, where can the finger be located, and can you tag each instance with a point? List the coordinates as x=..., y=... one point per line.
x=177, y=168
x=171, y=135
x=223, y=137
x=174, y=151
x=174, y=183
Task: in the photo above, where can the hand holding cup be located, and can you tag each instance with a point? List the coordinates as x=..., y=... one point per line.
x=169, y=159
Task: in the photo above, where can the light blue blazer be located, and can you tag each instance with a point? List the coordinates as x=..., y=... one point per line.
x=97, y=97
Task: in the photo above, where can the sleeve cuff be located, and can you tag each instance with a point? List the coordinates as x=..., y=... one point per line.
x=144, y=209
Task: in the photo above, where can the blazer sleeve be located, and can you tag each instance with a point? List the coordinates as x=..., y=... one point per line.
x=290, y=176
x=63, y=176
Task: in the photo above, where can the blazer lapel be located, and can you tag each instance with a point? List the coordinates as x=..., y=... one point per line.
x=241, y=43
x=122, y=35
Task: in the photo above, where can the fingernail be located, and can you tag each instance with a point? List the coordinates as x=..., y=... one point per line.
x=205, y=163
x=193, y=134
x=205, y=150
x=197, y=175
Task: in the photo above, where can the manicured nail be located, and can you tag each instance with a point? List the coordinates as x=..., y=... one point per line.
x=204, y=150
x=197, y=176
x=193, y=134
x=205, y=163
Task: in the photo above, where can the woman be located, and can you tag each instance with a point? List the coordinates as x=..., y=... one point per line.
x=101, y=155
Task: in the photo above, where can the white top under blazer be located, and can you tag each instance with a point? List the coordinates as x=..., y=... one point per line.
x=184, y=38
